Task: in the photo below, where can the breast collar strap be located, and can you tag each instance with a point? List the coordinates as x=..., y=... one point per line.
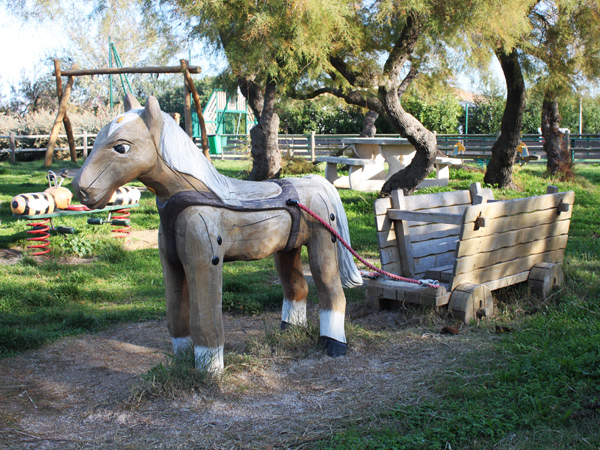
x=170, y=210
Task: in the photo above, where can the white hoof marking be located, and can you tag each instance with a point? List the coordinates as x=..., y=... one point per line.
x=181, y=343
x=209, y=359
x=294, y=312
x=332, y=325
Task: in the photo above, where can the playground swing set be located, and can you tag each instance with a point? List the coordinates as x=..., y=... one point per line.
x=64, y=94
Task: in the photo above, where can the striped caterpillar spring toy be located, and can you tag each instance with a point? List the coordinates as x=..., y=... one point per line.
x=37, y=203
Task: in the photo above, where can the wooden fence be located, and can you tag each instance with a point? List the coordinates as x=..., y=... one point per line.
x=585, y=148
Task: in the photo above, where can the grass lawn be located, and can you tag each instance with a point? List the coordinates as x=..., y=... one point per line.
x=536, y=387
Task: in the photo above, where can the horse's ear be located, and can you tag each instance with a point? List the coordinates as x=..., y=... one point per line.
x=152, y=117
x=130, y=102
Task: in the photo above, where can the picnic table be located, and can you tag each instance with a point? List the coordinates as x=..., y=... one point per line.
x=368, y=171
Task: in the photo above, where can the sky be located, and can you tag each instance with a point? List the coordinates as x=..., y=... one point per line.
x=24, y=45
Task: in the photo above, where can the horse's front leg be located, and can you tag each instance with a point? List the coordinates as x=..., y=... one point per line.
x=200, y=249
x=176, y=296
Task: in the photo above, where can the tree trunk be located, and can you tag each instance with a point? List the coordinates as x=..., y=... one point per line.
x=390, y=90
x=500, y=168
x=559, y=158
x=369, y=128
x=266, y=156
x=420, y=137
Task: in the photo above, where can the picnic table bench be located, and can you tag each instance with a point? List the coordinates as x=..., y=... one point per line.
x=471, y=244
x=368, y=172
x=479, y=153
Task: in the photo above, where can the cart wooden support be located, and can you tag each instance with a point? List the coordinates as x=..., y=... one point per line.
x=472, y=244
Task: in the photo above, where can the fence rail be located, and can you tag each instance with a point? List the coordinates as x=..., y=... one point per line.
x=585, y=148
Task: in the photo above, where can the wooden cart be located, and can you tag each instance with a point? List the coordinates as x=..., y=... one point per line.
x=472, y=244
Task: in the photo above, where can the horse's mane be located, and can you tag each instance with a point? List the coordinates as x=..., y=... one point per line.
x=181, y=154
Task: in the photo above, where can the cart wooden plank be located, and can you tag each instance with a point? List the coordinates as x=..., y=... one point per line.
x=480, y=260
x=519, y=206
x=519, y=236
x=514, y=222
x=415, y=216
x=509, y=268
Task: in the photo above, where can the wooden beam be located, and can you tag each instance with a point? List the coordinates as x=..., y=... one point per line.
x=190, y=84
x=66, y=120
x=416, y=216
x=402, y=235
x=119, y=70
x=62, y=108
x=187, y=109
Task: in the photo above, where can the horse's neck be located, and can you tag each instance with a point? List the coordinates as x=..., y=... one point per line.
x=166, y=182
x=252, y=190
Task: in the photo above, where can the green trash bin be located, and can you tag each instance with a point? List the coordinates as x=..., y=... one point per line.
x=214, y=144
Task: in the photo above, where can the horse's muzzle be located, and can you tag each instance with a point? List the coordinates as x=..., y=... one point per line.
x=83, y=196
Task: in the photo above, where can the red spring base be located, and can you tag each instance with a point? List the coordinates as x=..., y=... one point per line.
x=41, y=238
x=121, y=214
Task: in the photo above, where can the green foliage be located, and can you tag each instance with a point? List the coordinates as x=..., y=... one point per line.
x=440, y=114
x=297, y=166
x=276, y=39
x=322, y=115
x=485, y=116
x=77, y=245
x=170, y=96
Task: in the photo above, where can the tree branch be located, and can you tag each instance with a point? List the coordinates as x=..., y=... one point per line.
x=408, y=79
x=269, y=104
x=403, y=48
x=342, y=67
x=352, y=97
x=253, y=94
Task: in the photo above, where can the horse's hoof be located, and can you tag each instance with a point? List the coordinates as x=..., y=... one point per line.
x=334, y=348
x=285, y=325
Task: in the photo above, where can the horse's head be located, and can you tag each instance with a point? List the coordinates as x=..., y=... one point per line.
x=124, y=149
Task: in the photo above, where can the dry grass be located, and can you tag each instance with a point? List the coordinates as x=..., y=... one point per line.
x=279, y=390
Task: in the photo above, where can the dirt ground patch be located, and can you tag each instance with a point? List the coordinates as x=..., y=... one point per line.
x=77, y=392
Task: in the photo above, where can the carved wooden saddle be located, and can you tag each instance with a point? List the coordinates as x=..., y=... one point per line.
x=170, y=210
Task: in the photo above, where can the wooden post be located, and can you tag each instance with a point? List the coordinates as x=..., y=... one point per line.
x=62, y=107
x=312, y=146
x=190, y=84
x=187, y=109
x=11, y=144
x=403, y=236
x=66, y=120
x=85, y=144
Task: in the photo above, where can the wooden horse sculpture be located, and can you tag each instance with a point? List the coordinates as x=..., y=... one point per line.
x=207, y=219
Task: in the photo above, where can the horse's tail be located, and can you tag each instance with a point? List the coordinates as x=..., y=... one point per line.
x=349, y=273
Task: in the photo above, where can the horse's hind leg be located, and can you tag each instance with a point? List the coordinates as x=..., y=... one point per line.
x=177, y=299
x=295, y=289
x=322, y=257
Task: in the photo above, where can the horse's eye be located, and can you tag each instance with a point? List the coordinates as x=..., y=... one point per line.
x=121, y=148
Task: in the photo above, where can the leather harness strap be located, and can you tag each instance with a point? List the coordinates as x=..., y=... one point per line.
x=170, y=210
